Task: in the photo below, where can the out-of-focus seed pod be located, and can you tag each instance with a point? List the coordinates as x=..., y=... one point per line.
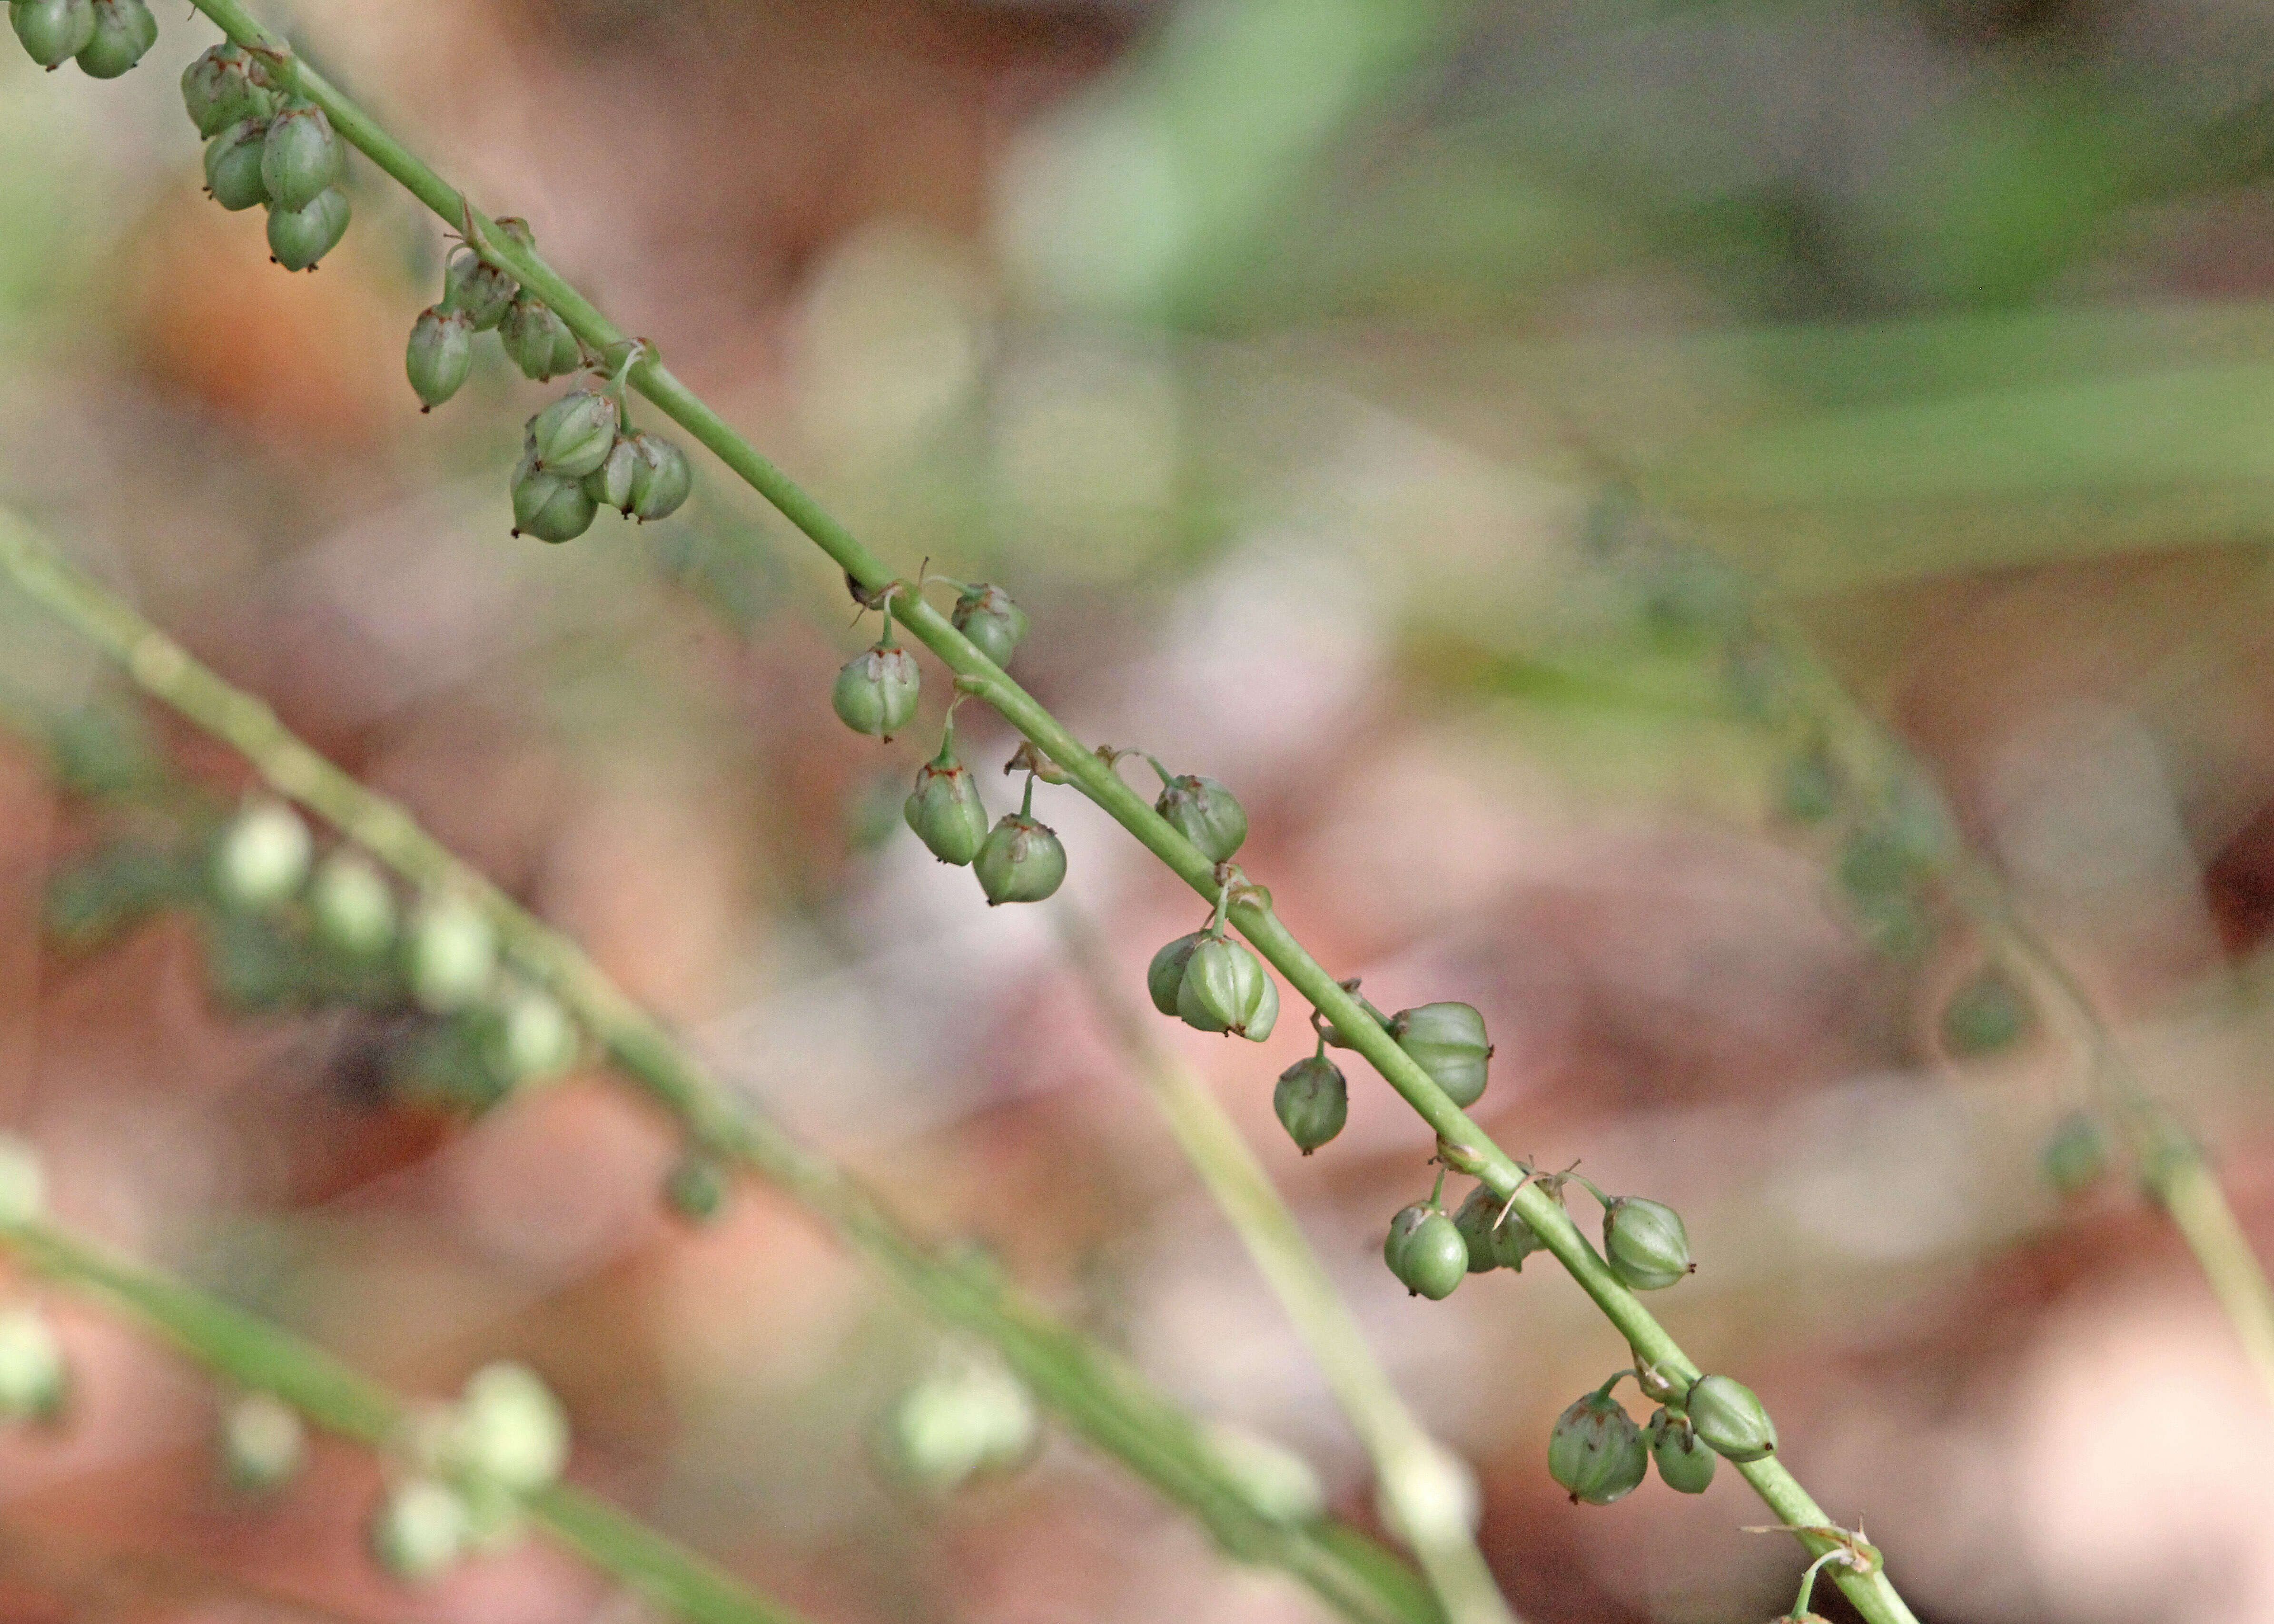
x=2076, y=1156
x=1809, y=792
x=473, y=285
x=985, y=615
x=510, y=1429
x=124, y=32
x=1226, y=988
x=1447, y=1042
x=1596, y=1452
x=262, y=856
x=1432, y=1260
x=439, y=355
x=300, y=159
x=551, y=507
x=233, y=164
x=967, y=1417
x=1312, y=1101
x=263, y=1443
x=1166, y=974
x=298, y=238
x=1730, y=1419
x=420, y=1530
x=23, y=1182
x=1204, y=812
x=1646, y=1243
x=452, y=954
x=534, y=1040
x=353, y=904
x=1275, y=1481
x=1986, y=1014
x=53, y=32
x=945, y=809
x=220, y=88
x=34, y=1381
x=1684, y=1462
x=697, y=1187
x=662, y=481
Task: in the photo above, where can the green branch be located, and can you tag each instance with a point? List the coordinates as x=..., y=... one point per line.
x=261, y=1357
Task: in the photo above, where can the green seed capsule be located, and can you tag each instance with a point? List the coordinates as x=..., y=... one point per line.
x=1204, y=812
x=420, y=1530
x=663, y=479
x=549, y=506
x=1226, y=988
x=233, y=164
x=1434, y=1259
x=1684, y=1463
x=23, y=1182
x=1985, y=1015
x=124, y=31
x=1021, y=860
x=1275, y=1481
x=1646, y=1243
x=610, y=485
x=440, y=354
x=1447, y=1042
x=1401, y=1226
x=986, y=615
x=353, y=904
x=2076, y=1156
x=1312, y=1101
x=944, y=808
x=1596, y=1451
x=1495, y=1241
x=34, y=1381
x=473, y=285
x=218, y=89
x=300, y=161
x=298, y=238
x=532, y=334
x=1165, y=976
x=262, y=856
x=697, y=1187
x=53, y=31
x=1729, y=1419
x=263, y=1443
x=452, y=954
x=969, y=1418
x=875, y=692
x=534, y=1041
x=510, y=1429
x=1811, y=791
x=572, y=436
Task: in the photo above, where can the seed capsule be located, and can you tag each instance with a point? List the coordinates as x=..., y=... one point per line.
x=876, y=693
x=610, y=485
x=53, y=31
x=452, y=953
x=440, y=355
x=419, y=1531
x=473, y=285
x=1985, y=1015
x=1273, y=1479
x=510, y=1429
x=1684, y=1462
x=1596, y=1451
x=1646, y=1243
x=218, y=89
x=1730, y=1419
x=1432, y=1259
x=1811, y=791
x=124, y=31
x=262, y=857
x=2076, y=1156
x=1226, y=988
x=1313, y=1101
x=34, y=1381
x=233, y=164
x=985, y=615
x=1401, y=1226
x=551, y=506
x=534, y=1040
x=944, y=808
x=663, y=479
x=1021, y=860
x=967, y=1417
x=354, y=907
x=697, y=1187
x=572, y=436
x=1166, y=974
x=263, y=1443
x=1494, y=1241
x=1204, y=812
x=297, y=237
x=1447, y=1042
x=23, y=1182
x=534, y=336
x=301, y=158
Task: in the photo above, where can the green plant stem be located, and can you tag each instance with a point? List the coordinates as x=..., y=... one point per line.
x=259, y=1355
x=1875, y=1596
x=1419, y=1483
x=1097, y=1394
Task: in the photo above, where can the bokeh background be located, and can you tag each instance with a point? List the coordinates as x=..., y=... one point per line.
x=1377, y=406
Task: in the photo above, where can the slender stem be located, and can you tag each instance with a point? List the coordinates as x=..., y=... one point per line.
x=1874, y=1597
x=1101, y=1397
x=1412, y=1468
x=259, y=1355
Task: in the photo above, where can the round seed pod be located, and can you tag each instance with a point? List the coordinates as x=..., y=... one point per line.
x=23, y=1182
x=534, y=1040
x=1166, y=974
x=263, y=1443
x=1596, y=1452
x=440, y=354
x=944, y=808
x=510, y=1429
x=1021, y=860
x=233, y=164
x=1730, y=1419
x=1205, y=813
x=1646, y=1243
x=218, y=89
x=124, y=31
x=1494, y=1241
x=1684, y=1463
x=986, y=615
x=298, y=238
x=471, y=284
x=1809, y=792
x=1312, y=1101
x=353, y=904
x=452, y=953
x=300, y=161
x=34, y=1381
x=262, y=856
x=572, y=436
x=1987, y=1014
x=551, y=507
x=1435, y=1260
x=875, y=692
x=663, y=479
x=697, y=1187
x=1275, y=1481
x=610, y=485
x=1226, y=988
x=532, y=334
x=420, y=1530
x=52, y=32
x=1401, y=1226
x=967, y=1417
x=2076, y=1154
x=1447, y=1042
